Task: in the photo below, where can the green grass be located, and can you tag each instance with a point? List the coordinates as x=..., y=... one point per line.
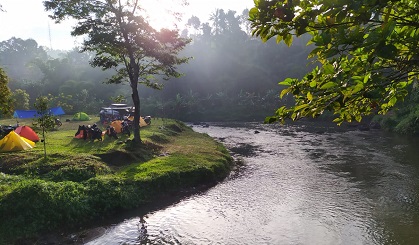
x=84, y=180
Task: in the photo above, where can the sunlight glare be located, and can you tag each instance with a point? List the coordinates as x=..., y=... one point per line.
x=164, y=13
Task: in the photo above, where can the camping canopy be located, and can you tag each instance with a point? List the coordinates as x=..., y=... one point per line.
x=14, y=142
x=81, y=116
x=27, y=132
x=55, y=111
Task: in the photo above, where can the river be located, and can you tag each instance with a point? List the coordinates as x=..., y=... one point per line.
x=297, y=184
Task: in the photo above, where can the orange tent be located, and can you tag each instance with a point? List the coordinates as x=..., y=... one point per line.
x=27, y=132
x=117, y=125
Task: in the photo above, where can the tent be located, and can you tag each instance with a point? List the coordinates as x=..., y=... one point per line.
x=27, y=132
x=142, y=122
x=55, y=111
x=25, y=114
x=14, y=142
x=117, y=124
x=81, y=116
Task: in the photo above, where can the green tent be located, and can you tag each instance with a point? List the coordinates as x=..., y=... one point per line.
x=81, y=116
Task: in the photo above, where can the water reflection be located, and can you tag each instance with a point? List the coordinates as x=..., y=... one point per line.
x=299, y=185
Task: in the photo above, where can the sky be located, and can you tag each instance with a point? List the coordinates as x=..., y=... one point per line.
x=27, y=19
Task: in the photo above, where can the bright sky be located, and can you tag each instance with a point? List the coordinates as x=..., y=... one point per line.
x=27, y=19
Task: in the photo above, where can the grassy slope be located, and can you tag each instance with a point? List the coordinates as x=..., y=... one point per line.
x=84, y=180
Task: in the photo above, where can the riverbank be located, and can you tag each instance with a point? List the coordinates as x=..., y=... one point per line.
x=82, y=181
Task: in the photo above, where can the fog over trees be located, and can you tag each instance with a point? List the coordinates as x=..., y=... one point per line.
x=231, y=76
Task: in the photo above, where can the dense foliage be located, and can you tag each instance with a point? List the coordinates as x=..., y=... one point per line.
x=232, y=75
x=123, y=40
x=368, y=52
x=6, y=108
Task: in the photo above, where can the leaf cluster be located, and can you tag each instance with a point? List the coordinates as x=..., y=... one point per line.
x=367, y=51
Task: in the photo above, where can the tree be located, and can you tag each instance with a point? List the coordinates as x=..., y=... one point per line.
x=6, y=107
x=20, y=99
x=19, y=58
x=367, y=50
x=123, y=40
x=45, y=120
x=194, y=22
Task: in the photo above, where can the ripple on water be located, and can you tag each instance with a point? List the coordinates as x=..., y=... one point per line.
x=298, y=185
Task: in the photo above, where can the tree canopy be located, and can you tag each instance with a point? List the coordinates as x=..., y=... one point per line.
x=367, y=53
x=6, y=108
x=123, y=40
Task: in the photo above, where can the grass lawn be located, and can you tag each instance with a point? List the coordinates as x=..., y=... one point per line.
x=82, y=180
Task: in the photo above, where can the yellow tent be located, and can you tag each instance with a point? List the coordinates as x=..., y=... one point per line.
x=117, y=124
x=142, y=122
x=14, y=142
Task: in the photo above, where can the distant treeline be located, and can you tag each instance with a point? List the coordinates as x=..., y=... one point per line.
x=231, y=76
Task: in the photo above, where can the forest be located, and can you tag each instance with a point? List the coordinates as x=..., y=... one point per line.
x=230, y=76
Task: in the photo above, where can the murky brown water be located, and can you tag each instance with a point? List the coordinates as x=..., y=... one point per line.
x=299, y=185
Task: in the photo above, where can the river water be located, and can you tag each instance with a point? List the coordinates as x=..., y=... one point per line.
x=297, y=184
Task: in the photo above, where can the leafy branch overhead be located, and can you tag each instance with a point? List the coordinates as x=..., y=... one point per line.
x=367, y=50
x=122, y=39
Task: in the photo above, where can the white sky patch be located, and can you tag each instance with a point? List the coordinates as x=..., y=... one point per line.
x=27, y=19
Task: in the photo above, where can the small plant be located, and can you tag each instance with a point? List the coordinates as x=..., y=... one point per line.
x=44, y=120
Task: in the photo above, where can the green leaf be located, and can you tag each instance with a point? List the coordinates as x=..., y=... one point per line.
x=358, y=88
x=299, y=107
x=309, y=96
x=253, y=13
x=313, y=84
x=288, y=39
x=278, y=39
x=286, y=82
x=392, y=101
x=328, y=69
x=366, y=78
x=280, y=110
x=284, y=92
x=328, y=85
x=270, y=119
x=402, y=84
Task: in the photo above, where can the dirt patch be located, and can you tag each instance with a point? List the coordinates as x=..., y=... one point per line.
x=159, y=139
x=118, y=158
x=174, y=127
x=11, y=162
x=123, y=158
x=155, y=148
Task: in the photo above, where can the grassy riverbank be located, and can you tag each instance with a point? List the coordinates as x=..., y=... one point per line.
x=82, y=180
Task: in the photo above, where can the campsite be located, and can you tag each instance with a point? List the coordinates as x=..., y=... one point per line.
x=83, y=180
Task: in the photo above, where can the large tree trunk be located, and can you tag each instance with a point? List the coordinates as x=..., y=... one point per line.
x=136, y=101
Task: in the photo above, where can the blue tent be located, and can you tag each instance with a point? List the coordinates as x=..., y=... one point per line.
x=55, y=111
x=25, y=114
